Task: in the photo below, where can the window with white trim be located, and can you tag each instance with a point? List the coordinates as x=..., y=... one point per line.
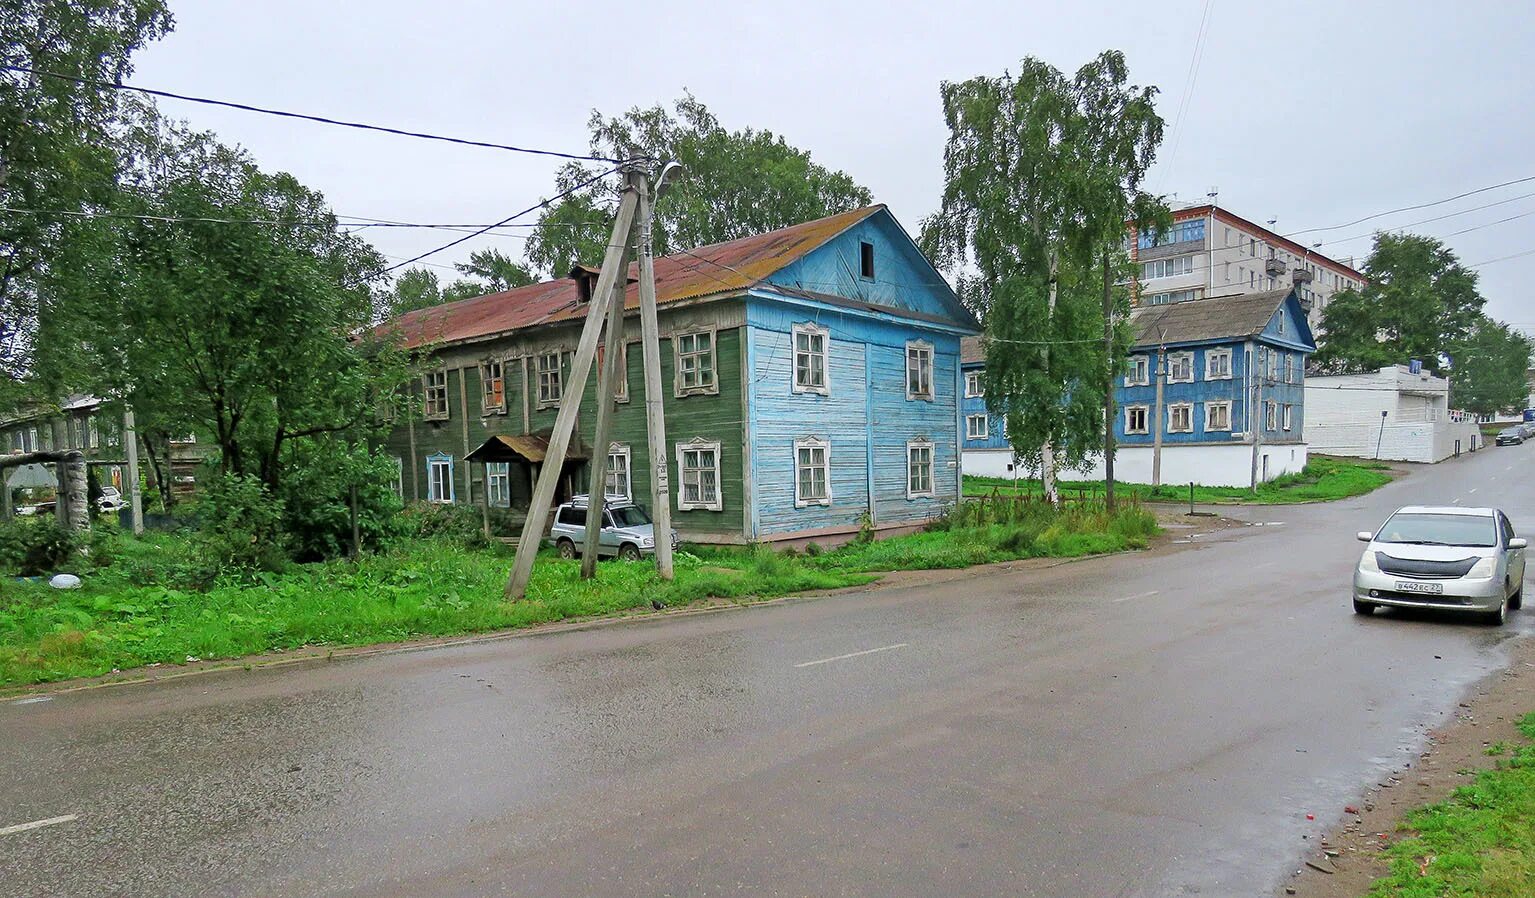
x=1271, y=415
x=919, y=370
x=621, y=386
x=439, y=478
x=809, y=359
x=1180, y=417
x=977, y=427
x=434, y=385
x=698, y=481
x=1217, y=364
x=1135, y=419
x=1140, y=371
x=498, y=484
x=1161, y=268
x=492, y=386
x=551, y=383
x=616, y=482
x=812, y=472
x=1217, y=416
x=919, y=469
x=695, y=362
x=1286, y=417
x=973, y=386
x=1180, y=367
x=1289, y=368
x=399, y=477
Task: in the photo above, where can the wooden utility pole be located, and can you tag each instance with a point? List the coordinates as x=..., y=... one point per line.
x=570, y=404
x=135, y=494
x=1108, y=391
x=607, y=389
x=1156, y=424
x=1257, y=416
x=655, y=411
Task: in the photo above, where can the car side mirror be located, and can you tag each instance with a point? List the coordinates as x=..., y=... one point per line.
x=1364, y=536
x=1518, y=542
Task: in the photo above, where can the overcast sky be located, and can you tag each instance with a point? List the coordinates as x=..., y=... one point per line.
x=1314, y=114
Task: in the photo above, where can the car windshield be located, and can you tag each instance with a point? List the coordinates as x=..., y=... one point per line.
x=1512, y=431
x=1420, y=528
x=630, y=516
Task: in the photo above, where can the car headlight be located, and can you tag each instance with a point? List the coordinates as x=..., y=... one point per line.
x=647, y=542
x=1367, y=562
x=1484, y=568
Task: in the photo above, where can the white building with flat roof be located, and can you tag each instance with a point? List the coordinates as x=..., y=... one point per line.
x=1394, y=413
x=1208, y=251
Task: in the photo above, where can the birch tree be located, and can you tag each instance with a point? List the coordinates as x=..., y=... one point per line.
x=1041, y=172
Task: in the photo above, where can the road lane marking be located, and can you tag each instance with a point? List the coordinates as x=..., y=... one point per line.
x=1470, y=491
x=37, y=824
x=33, y=700
x=883, y=648
x=1142, y=595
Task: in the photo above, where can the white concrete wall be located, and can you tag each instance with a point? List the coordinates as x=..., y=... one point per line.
x=1343, y=416
x=1204, y=465
x=1424, y=441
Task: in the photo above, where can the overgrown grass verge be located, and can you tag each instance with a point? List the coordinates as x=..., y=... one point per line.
x=1323, y=479
x=431, y=587
x=1480, y=843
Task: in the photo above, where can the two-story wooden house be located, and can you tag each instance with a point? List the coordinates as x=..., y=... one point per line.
x=1224, y=357
x=811, y=374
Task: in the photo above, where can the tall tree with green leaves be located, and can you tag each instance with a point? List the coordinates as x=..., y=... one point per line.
x=1041, y=173
x=1488, y=369
x=733, y=184
x=1418, y=303
x=496, y=270
x=56, y=139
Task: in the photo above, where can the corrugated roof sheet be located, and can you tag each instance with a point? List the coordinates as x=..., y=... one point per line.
x=972, y=349
x=526, y=447
x=1244, y=315
x=720, y=268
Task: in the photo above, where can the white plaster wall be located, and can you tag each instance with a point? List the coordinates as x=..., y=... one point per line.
x=1422, y=441
x=1204, y=465
x=988, y=463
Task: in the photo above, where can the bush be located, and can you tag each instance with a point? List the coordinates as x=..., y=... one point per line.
x=317, y=502
x=35, y=547
x=462, y=524
x=241, y=526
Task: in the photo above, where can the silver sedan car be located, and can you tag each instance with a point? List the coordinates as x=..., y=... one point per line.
x=1446, y=558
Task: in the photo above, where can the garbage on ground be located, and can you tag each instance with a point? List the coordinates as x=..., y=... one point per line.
x=64, y=581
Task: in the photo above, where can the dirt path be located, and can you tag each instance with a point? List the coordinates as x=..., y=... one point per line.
x=1456, y=749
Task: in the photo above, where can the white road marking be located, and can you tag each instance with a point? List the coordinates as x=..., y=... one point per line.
x=1470, y=491
x=36, y=824
x=33, y=700
x=1143, y=595
x=883, y=648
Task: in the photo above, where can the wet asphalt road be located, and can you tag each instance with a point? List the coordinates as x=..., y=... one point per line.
x=1153, y=724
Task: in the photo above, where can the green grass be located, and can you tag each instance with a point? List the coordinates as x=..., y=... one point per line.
x=1323, y=479
x=435, y=587
x=1481, y=840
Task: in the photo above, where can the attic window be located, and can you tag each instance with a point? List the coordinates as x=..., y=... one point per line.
x=866, y=260
x=585, y=277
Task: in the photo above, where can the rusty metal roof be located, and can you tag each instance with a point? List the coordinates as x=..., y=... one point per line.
x=721, y=268
x=519, y=447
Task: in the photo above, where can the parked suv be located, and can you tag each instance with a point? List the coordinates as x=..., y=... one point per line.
x=627, y=531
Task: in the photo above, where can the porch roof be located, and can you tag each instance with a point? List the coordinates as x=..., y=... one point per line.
x=528, y=448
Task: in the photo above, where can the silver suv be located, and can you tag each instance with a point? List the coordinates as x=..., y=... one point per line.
x=627, y=531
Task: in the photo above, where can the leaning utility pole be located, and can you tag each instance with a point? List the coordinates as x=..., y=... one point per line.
x=655, y=415
x=607, y=385
x=570, y=404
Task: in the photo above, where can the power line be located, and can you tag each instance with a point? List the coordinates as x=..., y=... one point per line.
x=1528, y=252
x=1188, y=85
x=1522, y=196
x=422, y=135
x=1411, y=208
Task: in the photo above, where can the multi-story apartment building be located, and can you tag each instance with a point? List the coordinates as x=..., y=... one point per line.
x=1208, y=251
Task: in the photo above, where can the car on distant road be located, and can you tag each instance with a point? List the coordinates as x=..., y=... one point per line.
x=1529, y=429
x=111, y=500
x=627, y=531
x=1445, y=558
x=1511, y=436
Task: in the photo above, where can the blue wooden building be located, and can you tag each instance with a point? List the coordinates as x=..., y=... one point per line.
x=812, y=384
x=1233, y=398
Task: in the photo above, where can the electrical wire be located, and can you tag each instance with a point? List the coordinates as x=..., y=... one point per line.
x=1528, y=252
x=1522, y=196
x=364, y=126
x=1190, y=79
x=1411, y=208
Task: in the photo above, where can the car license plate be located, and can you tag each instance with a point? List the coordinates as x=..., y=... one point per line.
x=1433, y=589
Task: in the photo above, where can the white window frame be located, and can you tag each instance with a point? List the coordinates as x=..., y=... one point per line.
x=550, y=377
x=1174, y=361
x=710, y=387
x=621, y=391
x=810, y=444
x=971, y=429
x=1145, y=416
x=433, y=493
x=974, y=387
x=1286, y=418
x=683, y=503
x=932, y=473
x=486, y=379
x=399, y=477
x=1210, y=424
x=810, y=332
x=428, y=410
x=1173, y=410
x=619, y=451
x=498, y=484
x=1210, y=369
x=924, y=353
x=1270, y=415
x=1140, y=371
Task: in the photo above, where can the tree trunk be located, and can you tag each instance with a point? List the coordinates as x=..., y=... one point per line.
x=1047, y=452
x=157, y=472
x=1109, y=413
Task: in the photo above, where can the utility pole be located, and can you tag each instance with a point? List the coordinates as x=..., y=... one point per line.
x=607, y=383
x=570, y=404
x=1256, y=417
x=1156, y=427
x=135, y=495
x=655, y=413
x=1108, y=391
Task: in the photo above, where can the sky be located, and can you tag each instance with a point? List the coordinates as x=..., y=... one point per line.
x=1311, y=113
